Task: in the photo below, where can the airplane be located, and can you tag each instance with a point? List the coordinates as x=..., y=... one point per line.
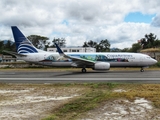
x=97, y=61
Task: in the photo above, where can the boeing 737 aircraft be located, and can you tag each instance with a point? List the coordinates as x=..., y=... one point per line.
x=97, y=61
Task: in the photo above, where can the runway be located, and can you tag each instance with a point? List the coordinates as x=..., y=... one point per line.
x=78, y=77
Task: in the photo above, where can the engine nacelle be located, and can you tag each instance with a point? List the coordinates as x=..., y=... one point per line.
x=101, y=66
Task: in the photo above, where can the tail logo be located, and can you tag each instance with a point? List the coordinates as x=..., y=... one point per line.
x=26, y=47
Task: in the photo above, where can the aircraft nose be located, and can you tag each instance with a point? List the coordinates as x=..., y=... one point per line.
x=154, y=61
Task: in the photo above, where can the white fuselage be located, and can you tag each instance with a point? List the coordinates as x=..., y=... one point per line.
x=115, y=59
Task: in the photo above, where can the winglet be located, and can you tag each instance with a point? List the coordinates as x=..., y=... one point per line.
x=59, y=50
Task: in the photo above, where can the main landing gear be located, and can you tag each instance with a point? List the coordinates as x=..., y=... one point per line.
x=142, y=70
x=84, y=70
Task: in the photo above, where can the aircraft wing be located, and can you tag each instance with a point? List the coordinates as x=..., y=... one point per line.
x=78, y=61
x=14, y=53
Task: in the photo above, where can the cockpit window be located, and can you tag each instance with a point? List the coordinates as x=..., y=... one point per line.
x=148, y=57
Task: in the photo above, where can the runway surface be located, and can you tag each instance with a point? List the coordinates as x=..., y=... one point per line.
x=73, y=76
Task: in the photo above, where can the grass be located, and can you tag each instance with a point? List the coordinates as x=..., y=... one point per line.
x=92, y=96
x=97, y=94
x=78, y=106
x=147, y=91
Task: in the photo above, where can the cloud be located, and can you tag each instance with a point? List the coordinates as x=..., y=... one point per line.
x=85, y=11
x=156, y=21
x=79, y=21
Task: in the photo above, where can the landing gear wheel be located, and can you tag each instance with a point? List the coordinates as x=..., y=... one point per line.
x=84, y=70
x=142, y=70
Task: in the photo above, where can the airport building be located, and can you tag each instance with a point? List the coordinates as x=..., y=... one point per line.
x=74, y=49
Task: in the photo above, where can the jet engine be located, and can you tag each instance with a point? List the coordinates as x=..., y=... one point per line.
x=101, y=66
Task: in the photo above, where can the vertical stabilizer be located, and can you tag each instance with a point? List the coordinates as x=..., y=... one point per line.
x=23, y=45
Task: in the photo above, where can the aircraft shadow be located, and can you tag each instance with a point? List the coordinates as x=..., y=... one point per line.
x=96, y=72
x=79, y=73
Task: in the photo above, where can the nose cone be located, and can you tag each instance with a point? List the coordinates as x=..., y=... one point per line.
x=154, y=61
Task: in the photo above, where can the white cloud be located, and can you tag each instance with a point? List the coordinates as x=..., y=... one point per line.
x=79, y=21
x=156, y=20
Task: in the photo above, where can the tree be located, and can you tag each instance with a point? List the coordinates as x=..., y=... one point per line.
x=38, y=41
x=125, y=50
x=148, y=41
x=60, y=41
x=7, y=45
x=1, y=46
x=135, y=47
x=103, y=46
x=157, y=43
x=90, y=44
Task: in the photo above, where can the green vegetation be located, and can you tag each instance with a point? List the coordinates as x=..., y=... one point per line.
x=97, y=94
x=41, y=42
x=91, y=96
x=7, y=45
x=147, y=91
x=148, y=41
x=102, y=46
x=157, y=64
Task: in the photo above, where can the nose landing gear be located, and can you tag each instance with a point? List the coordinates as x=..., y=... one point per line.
x=84, y=70
x=142, y=69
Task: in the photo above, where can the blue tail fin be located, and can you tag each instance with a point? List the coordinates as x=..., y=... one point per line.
x=23, y=45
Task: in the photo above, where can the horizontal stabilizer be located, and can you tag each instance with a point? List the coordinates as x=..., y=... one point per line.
x=14, y=53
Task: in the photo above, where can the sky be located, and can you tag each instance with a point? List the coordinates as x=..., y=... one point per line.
x=121, y=22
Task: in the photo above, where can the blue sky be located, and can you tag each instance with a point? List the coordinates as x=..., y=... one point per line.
x=138, y=17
